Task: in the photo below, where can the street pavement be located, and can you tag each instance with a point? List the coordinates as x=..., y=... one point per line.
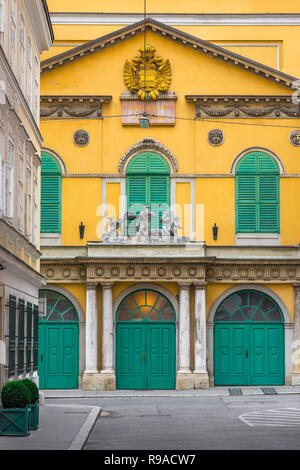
x=165, y=419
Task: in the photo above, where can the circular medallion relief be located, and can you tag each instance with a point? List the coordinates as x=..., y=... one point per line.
x=215, y=137
x=81, y=138
x=295, y=137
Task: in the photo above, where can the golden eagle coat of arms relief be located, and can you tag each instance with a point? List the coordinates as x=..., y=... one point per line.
x=147, y=75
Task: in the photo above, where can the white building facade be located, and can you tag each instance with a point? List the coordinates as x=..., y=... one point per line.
x=25, y=31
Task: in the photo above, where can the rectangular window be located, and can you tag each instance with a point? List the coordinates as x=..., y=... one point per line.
x=29, y=337
x=20, y=198
x=9, y=181
x=21, y=337
x=12, y=34
x=36, y=89
x=12, y=308
x=21, y=51
x=35, y=204
x=29, y=72
x=28, y=197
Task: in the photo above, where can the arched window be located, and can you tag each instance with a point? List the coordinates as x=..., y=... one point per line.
x=257, y=194
x=56, y=306
x=50, y=194
x=148, y=183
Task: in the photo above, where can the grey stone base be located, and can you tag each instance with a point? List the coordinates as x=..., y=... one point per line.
x=191, y=381
x=295, y=379
x=98, y=382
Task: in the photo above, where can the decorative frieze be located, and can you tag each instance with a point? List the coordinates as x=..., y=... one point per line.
x=76, y=107
x=244, y=106
x=178, y=270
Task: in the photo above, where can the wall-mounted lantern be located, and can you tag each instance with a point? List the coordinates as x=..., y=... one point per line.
x=81, y=230
x=144, y=121
x=215, y=231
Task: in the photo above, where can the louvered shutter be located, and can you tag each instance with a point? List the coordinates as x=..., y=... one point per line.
x=29, y=337
x=35, y=336
x=137, y=199
x=50, y=195
x=246, y=203
x=268, y=204
x=12, y=335
x=257, y=194
x=159, y=198
x=21, y=339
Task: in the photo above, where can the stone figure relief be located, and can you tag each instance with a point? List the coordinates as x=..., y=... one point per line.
x=81, y=138
x=215, y=137
x=295, y=137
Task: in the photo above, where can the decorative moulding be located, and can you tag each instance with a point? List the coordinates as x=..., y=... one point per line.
x=152, y=145
x=175, y=35
x=244, y=106
x=76, y=107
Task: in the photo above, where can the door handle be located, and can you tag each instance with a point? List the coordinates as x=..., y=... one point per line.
x=143, y=357
x=247, y=354
x=42, y=357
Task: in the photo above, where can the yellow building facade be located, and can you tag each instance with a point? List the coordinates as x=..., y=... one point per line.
x=170, y=175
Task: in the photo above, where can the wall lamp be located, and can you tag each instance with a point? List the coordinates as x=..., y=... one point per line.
x=81, y=230
x=215, y=231
x=144, y=121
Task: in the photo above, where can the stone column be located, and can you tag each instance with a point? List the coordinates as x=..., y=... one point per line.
x=296, y=337
x=200, y=369
x=91, y=319
x=90, y=375
x=107, y=329
x=184, y=379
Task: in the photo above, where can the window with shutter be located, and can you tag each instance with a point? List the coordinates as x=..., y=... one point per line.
x=29, y=337
x=12, y=336
x=148, y=183
x=35, y=336
x=257, y=194
x=21, y=337
x=50, y=195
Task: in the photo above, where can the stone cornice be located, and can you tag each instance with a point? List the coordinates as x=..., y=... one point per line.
x=72, y=106
x=244, y=106
x=174, y=35
x=191, y=270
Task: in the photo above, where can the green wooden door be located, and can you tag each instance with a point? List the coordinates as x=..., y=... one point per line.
x=248, y=340
x=58, y=348
x=58, y=355
x=145, y=345
x=145, y=356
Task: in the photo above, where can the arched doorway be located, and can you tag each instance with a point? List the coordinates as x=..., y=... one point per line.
x=145, y=341
x=58, y=366
x=248, y=340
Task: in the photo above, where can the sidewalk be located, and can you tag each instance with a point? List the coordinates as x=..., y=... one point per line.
x=214, y=391
x=61, y=427
x=67, y=426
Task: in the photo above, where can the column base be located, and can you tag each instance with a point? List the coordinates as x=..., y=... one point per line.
x=99, y=381
x=296, y=379
x=191, y=381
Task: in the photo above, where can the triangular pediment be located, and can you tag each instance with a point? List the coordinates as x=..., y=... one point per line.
x=203, y=47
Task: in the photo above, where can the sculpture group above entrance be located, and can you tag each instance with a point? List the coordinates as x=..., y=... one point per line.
x=117, y=230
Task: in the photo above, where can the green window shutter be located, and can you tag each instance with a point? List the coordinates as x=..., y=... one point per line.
x=35, y=336
x=29, y=337
x=12, y=307
x=246, y=210
x=50, y=195
x=158, y=198
x=257, y=194
x=136, y=199
x=21, y=338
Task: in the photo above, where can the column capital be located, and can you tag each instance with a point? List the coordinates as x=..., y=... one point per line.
x=92, y=285
x=200, y=285
x=107, y=285
x=184, y=285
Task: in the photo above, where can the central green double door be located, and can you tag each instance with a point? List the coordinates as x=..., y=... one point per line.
x=249, y=353
x=145, y=355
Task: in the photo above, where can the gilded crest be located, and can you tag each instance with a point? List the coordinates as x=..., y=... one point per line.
x=148, y=75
